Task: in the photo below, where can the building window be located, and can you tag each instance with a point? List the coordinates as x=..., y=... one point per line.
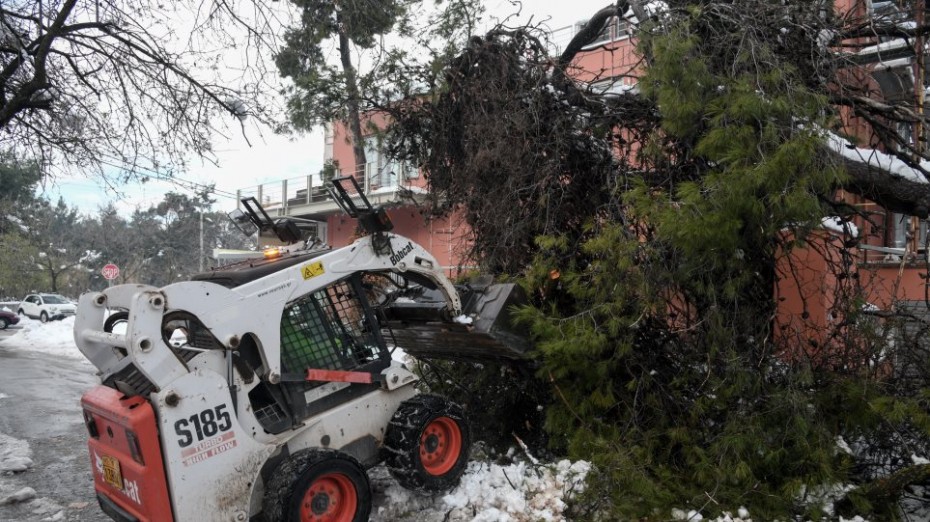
x=329, y=142
x=886, y=11
x=906, y=231
x=616, y=29
x=922, y=235
x=381, y=170
x=899, y=230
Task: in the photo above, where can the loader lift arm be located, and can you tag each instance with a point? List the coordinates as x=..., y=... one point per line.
x=373, y=220
x=287, y=230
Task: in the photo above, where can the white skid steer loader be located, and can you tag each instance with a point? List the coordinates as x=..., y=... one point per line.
x=264, y=390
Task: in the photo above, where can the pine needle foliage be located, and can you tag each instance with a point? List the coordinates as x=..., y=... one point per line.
x=651, y=231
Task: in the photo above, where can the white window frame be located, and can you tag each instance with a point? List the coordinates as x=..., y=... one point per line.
x=382, y=171
x=618, y=28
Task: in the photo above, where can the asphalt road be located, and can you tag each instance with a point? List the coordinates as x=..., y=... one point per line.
x=42, y=407
x=9, y=332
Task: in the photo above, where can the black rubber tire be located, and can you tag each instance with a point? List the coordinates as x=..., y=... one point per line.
x=114, y=319
x=3, y=323
x=43, y=317
x=291, y=479
x=401, y=449
x=21, y=312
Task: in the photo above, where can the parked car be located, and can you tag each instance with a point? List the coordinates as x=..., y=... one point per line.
x=45, y=307
x=7, y=318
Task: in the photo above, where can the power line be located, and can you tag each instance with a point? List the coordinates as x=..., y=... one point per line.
x=193, y=185
x=180, y=182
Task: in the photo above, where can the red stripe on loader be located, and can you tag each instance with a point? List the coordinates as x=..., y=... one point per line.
x=338, y=376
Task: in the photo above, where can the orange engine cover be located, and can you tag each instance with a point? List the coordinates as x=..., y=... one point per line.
x=125, y=455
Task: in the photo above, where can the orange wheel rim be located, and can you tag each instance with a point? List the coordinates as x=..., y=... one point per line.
x=330, y=498
x=440, y=445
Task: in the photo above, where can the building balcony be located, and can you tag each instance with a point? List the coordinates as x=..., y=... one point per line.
x=308, y=196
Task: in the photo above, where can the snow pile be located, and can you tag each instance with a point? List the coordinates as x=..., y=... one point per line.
x=14, y=454
x=21, y=495
x=742, y=515
x=15, y=457
x=398, y=354
x=518, y=492
x=825, y=496
x=53, y=338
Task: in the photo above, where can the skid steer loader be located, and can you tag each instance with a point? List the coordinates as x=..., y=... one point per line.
x=265, y=389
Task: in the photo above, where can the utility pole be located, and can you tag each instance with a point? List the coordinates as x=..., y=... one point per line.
x=201, y=237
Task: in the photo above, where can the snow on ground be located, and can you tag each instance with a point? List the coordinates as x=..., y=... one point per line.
x=53, y=338
x=14, y=454
x=488, y=492
x=14, y=458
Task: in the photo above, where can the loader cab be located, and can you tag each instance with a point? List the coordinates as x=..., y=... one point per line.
x=333, y=329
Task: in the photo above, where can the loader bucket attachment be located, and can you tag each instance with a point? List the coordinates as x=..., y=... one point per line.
x=417, y=325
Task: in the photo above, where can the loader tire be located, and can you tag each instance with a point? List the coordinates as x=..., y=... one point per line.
x=115, y=319
x=426, y=444
x=317, y=485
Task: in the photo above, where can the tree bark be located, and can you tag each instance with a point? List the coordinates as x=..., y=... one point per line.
x=894, y=193
x=21, y=99
x=589, y=32
x=352, y=105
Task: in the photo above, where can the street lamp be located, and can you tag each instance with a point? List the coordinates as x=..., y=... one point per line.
x=201, y=236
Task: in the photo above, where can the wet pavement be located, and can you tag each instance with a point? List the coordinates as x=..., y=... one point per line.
x=41, y=405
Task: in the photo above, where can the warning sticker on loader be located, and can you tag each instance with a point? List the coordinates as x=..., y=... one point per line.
x=312, y=270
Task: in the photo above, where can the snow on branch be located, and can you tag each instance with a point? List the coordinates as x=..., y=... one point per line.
x=840, y=226
x=889, y=163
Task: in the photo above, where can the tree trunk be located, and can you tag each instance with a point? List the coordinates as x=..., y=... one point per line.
x=894, y=193
x=353, y=118
x=53, y=275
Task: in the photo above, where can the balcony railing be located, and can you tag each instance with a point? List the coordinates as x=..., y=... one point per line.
x=307, y=190
x=559, y=39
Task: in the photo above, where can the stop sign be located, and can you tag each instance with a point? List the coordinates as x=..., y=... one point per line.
x=110, y=271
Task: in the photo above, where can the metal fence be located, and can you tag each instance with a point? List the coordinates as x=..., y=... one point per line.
x=305, y=190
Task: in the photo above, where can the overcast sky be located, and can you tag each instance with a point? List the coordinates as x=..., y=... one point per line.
x=273, y=158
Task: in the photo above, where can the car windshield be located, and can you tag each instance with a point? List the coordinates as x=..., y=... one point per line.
x=54, y=299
